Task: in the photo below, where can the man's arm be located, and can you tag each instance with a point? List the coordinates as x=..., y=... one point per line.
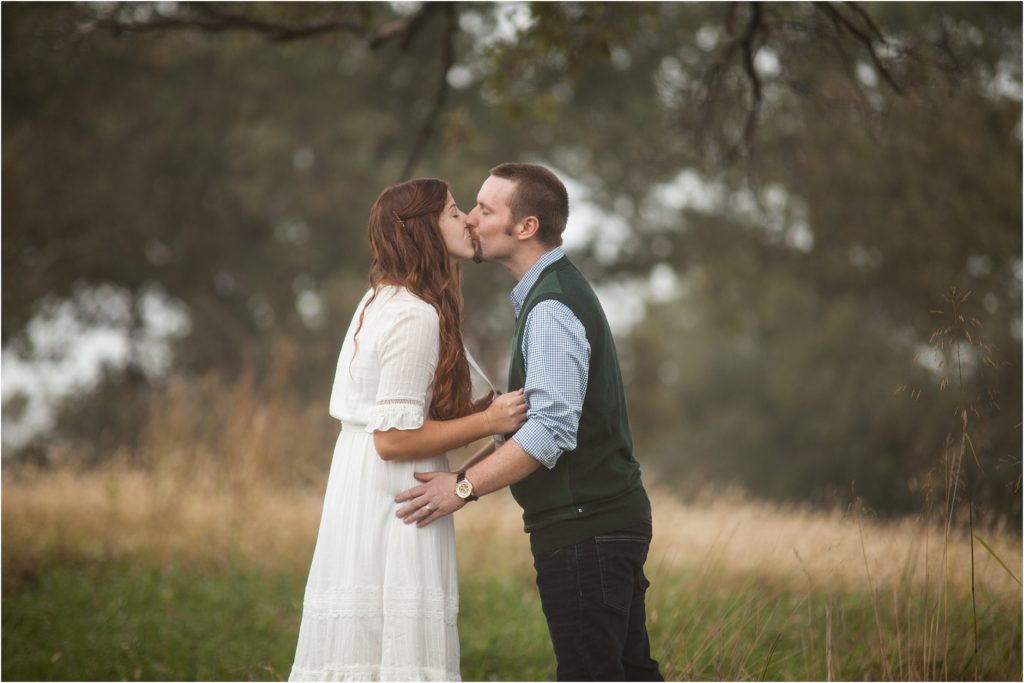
x=485, y=451
x=436, y=497
x=557, y=353
x=509, y=464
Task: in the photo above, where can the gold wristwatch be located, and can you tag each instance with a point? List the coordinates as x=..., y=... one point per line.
x=464, y=488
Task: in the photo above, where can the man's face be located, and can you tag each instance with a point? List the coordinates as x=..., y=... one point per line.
x=490, y=222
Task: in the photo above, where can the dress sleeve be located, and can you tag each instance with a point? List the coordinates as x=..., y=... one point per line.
x=407, y=355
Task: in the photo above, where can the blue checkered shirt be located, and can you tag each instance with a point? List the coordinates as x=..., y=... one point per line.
x=557, y=355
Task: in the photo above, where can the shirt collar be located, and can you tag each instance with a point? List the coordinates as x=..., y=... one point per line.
x=520, y=291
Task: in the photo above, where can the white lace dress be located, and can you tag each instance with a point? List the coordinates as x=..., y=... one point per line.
x=382, y=597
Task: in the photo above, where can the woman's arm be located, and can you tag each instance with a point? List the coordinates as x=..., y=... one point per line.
x=505, y=414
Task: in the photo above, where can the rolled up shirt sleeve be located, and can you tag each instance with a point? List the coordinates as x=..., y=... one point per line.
x=557, y=357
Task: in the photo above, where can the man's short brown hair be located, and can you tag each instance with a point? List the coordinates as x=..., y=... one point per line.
x=538, y=193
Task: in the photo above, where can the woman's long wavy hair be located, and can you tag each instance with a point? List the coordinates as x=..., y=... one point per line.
x=407, y=250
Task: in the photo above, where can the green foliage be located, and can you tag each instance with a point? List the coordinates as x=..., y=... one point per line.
x=840, y=193
x=731, y=399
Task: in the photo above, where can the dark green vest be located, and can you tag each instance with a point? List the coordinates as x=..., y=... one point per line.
x=595, y=488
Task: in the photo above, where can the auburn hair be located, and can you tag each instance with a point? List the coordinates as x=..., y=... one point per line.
x=407, y=250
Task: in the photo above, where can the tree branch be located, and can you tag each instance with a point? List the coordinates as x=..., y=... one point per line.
x=748, y=49
x=851, y=75
x=212, y=19
x=275, y=32
x=711, y=82
x=842, y=24
x=440, y=94
x=404, y=28
x=866, y=18
x=755, y=82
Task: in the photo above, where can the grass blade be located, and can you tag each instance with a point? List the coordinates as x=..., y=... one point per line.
x=998, y=559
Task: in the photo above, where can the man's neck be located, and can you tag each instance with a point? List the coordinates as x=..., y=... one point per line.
x=521, y=262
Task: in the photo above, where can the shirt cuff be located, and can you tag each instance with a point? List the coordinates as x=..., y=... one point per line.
x=536, y=440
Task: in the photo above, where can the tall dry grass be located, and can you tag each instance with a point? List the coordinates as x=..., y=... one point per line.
x=118, y=511
x=235, y=473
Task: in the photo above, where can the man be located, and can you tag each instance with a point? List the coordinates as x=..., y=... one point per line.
x=570, y=466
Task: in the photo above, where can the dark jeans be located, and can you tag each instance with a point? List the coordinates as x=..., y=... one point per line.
x=593, y=597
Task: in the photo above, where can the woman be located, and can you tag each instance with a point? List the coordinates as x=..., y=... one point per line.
x=382, y=597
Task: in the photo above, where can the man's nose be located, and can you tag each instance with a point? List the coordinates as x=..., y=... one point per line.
x=470, y=220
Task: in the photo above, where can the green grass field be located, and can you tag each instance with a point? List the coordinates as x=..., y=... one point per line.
x=117, y=620
x=121, y=576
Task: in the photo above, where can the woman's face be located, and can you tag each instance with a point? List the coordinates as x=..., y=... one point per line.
x=454, y=231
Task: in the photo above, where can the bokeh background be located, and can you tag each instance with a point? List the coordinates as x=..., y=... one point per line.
x=804, y=221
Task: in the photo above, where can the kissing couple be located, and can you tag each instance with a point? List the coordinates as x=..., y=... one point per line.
x=381, y=601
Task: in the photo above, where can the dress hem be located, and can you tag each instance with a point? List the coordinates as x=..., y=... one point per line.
x=373, y=673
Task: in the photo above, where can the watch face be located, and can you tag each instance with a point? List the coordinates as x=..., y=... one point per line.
x=464, y=489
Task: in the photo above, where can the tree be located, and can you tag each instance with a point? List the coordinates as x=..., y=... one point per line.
x=812, y=177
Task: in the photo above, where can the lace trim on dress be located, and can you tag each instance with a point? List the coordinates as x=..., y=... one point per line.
x=396, y=414
x=373, y=673
x=373, y=601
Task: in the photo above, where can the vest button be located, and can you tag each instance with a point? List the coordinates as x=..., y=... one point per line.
x=579, y=509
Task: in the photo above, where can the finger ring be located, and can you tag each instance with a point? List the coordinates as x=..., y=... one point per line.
x=427, y=508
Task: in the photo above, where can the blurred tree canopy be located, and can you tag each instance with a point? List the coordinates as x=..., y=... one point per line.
x=805, y=183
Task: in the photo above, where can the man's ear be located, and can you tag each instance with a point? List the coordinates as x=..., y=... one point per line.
x=527, y=228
